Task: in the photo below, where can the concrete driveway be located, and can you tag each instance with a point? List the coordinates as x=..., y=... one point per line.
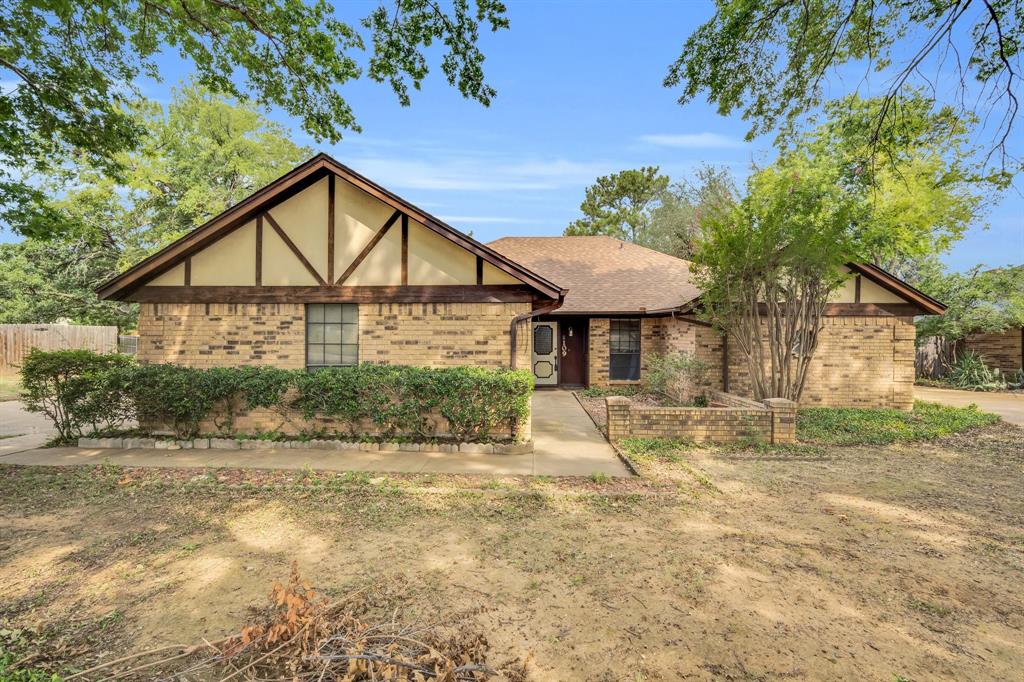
x=1009, y=406
x=566, y=444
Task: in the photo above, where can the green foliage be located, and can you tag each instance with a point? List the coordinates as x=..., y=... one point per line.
x=774, y=59
x=680, y=375
x=77, y=65
x=970, y=372
x=79, y=388
x=855, y=426
x=976, y=301
x=79, y=391
x=10, y=674
x=654, y=449
x=621, y=205
x=598, y=392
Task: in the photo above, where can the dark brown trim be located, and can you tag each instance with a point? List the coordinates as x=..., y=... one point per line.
x=493, y=293
x=479, y=271
x=330, y=228
x=188, y=271
x=925, y=303
x=259, y=250
x=294, y=249
x=856, y=289
x=317, y=168
x=368, y=248
x=405, y=250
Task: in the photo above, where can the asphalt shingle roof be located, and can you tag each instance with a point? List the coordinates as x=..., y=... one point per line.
x=604, y=274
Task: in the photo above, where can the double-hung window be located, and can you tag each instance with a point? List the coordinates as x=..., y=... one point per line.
x=332, y=334
x=624, y=347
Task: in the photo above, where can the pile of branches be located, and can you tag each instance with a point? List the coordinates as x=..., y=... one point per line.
x=304, y=636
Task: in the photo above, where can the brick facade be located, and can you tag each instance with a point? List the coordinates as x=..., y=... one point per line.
x=860, y=361
x=1000, y=351
x=424, y=334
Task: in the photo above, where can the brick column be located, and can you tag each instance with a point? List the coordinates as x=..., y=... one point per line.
x=618, y=417
x=783, y=420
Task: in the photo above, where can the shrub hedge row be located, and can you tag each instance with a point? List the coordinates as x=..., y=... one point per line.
x=85, y=393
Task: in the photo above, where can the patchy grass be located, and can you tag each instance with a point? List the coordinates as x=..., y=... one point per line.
x=597, y=392
x=854, y=426
x=10, y=387
x=644, y=450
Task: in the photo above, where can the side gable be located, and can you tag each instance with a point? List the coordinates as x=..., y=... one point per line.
x=324, y=233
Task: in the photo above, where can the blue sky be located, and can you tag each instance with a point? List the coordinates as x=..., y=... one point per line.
x=579, y=95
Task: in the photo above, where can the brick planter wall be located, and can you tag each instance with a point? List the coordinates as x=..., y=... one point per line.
x=773, y=421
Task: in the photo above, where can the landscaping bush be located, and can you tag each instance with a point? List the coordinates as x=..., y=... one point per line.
x=81, y=392
x=855, y=426
x=679, y=375
x=970, y=372
x=79, y=388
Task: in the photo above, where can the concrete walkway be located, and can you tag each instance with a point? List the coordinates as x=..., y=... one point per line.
x=1009, y=406
x=21, y=430
x=566, y=444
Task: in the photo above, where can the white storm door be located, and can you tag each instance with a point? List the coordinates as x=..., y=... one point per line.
x=545, y=353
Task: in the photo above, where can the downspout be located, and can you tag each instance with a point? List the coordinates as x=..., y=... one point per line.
x=513, y=327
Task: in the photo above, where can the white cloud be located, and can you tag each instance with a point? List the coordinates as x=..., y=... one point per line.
x=693, y=140
x=470, y=173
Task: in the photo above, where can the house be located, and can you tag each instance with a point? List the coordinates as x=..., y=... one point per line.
x=324, y=267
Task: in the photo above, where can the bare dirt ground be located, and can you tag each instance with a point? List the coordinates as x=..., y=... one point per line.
x=901, y=562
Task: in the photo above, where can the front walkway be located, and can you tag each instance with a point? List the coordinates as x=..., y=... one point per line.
x=567, y=444
x=1009, y=406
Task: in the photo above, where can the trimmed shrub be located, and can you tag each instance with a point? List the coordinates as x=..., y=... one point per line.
x=81, y=392
x=679, y=375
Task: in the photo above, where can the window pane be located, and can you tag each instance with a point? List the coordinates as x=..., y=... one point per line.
x=350, y=313
x=542, y=340
x=349, y=333
x=315, y=355
x=315, y=312
x=349, y=355
x=332, y=333
x=332, y=313
x=315, y=333
x=332, y=355
x=624, y=367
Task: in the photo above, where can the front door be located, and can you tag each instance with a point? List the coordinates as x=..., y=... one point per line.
x=545, y=353
x=572, y=351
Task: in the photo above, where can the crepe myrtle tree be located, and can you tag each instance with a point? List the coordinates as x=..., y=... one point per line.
x=769, y=264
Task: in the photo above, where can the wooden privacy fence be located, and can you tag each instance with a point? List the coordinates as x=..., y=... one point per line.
x=16, y=340
x=934, y=356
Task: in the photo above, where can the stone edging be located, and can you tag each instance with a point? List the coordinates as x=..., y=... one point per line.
x=340, y=445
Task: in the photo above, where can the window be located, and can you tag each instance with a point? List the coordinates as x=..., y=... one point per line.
x=624, y=347
x=332, y=334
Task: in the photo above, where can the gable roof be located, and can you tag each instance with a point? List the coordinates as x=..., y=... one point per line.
x=288, y=185
x=604, y=274
x=608, y=275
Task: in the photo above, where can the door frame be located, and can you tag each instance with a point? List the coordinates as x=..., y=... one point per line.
x=582, y=323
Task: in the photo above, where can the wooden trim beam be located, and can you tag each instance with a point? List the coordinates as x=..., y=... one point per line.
x=291, y=245
x=856, y=289
x=368, y=248
x=259, y=250
x=461, y=293
x=188, y=271
x=330, y=228
x=405, y=250
x=479, y=271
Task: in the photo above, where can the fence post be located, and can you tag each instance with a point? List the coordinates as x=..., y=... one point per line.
x=618, y=417
x=783, y=420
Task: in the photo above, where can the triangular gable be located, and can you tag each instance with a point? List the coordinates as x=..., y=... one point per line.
x=378, y=239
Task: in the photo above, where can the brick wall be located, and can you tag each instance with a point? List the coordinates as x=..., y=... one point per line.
x=860, y=362
x=771, y=422
x=428, y=334
x=652, y=340
x=1000, y=351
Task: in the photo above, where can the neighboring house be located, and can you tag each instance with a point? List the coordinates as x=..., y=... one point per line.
x=323, y=267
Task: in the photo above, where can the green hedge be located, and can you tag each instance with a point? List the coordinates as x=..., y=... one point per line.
x=85, y=393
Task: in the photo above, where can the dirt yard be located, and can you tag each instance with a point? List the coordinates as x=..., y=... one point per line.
x=885, y=563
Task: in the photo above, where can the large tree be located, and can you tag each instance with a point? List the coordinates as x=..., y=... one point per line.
x=775, y=59
x=199, y=156
x=75, y=67
x=621, y=205
x=978, y=300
